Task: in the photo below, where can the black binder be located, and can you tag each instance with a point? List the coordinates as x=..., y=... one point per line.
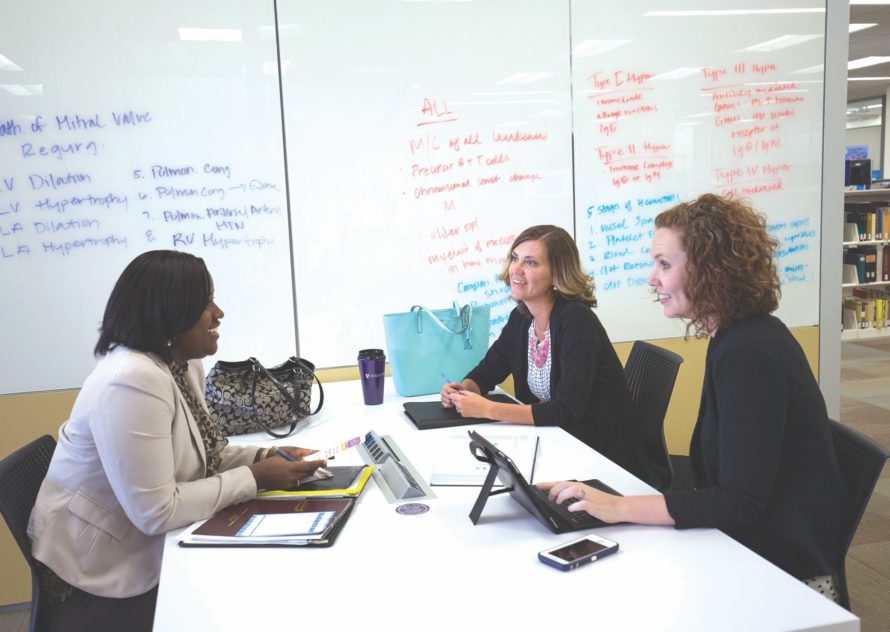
x=427, y=415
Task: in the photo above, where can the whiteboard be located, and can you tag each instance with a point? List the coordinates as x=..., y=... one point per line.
x=672, y=104
x=421, y=138
x=124, y=131
x=398, y=146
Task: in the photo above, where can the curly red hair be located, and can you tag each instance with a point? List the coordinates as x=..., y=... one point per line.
x=729, y=260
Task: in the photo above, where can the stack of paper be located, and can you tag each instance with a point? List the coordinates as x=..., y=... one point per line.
x=455, y=464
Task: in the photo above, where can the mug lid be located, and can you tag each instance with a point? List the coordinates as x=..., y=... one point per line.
x=371, y=354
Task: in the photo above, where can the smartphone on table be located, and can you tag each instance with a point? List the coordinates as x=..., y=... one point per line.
x=578, y=552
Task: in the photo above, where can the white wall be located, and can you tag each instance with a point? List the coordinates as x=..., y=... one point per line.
x=870, y=136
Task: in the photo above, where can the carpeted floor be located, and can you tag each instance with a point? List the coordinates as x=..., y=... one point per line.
x=865, y=405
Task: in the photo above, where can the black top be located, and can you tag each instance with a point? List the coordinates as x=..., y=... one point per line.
x=761, y=453
x=589, y=396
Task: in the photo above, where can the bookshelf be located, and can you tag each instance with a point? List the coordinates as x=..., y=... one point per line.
x=866, y=265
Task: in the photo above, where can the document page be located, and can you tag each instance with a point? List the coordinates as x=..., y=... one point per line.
x=455, y=465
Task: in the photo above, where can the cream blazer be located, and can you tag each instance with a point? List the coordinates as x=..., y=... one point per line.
x=129, y=467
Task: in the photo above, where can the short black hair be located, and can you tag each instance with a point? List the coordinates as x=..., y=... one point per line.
x=159, y=295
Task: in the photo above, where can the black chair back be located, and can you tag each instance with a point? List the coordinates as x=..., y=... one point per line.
x=861, y=460
x=21, y=474
x=651, y=373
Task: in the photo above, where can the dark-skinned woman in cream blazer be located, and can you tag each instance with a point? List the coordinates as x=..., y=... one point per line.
x=139, y=455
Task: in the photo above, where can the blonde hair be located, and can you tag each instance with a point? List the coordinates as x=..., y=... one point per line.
x=569, y=279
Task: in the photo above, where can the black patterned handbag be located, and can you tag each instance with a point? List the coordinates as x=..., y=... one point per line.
x=247, y=397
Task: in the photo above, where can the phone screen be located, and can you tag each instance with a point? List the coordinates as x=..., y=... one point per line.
x=578, y=549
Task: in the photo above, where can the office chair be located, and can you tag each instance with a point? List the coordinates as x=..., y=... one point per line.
x=651, y=373
x=861, y=460
x=21, y=474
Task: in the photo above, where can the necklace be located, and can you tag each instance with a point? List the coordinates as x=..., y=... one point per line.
x=540, y=349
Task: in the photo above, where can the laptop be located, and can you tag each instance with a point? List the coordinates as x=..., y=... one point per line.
x=554, y=516
x=429, y=415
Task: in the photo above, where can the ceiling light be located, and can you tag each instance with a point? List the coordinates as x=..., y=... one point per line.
x=809, y=70
x=7, y=64
x=589, y=48
x=861, y=27
x=23, y=91
x=864, y=62
x=724, y=12
x=783, y=41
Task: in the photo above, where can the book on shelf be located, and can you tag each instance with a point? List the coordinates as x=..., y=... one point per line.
x=849, y=316
x=872, y=220
x=855, y=257
x=275, y=521
x=871, y=264
x=866, y=309
x=858, y=213
x=347, y=480
x=885, y=263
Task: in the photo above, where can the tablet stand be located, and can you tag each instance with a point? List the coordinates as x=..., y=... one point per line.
x=487, y=486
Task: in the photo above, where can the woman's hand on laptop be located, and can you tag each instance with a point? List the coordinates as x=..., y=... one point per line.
x=609, y=508
x=604, y=506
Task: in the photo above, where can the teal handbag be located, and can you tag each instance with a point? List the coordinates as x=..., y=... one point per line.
x=423, y=346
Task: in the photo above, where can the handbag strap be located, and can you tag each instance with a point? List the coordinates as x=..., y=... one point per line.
x=311, y=370
x=465, y=314
x=258, y=369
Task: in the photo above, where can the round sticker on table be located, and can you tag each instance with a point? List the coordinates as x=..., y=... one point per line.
x=412, y=509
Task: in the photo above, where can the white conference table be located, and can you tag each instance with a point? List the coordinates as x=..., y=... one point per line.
x=438, y=571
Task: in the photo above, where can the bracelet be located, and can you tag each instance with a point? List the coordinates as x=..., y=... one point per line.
x=260, y=454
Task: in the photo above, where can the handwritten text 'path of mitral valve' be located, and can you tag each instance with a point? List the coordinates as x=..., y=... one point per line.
x=58, y=196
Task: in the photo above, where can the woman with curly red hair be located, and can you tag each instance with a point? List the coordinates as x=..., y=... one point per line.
x=762, y=456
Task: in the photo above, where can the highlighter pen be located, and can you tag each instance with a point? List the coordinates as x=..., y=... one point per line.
x=289, y=457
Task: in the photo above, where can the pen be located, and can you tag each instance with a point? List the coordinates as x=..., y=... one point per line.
x=285, y=455
x=448, y=380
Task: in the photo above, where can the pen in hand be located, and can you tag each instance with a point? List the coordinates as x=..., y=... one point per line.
x=448, y=380
x=289, y=457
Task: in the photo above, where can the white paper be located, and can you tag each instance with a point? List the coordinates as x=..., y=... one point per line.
x=289, y=524
x=455, y=465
